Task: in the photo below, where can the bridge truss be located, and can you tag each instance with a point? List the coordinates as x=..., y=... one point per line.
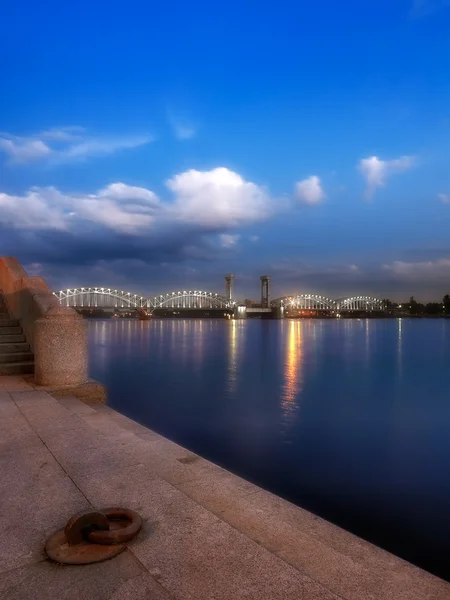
x=360, y=303
x=96, y=297
x=305, y=302
x=322, y=303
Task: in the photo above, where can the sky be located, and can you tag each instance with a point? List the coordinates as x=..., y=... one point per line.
x=153, y=146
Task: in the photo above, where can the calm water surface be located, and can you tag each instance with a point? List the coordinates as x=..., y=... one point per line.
x=349, y=419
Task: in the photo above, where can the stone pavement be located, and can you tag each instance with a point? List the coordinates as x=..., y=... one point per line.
x=208, y=535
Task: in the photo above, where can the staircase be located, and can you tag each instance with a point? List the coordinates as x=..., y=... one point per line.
x=16, y=357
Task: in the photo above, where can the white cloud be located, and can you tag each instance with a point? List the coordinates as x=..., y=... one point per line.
x=23, y=150
x=432, y=270
x=205, y=201
x=309, y=190
x=183, y=128
x=93, y=147
x=111, y=207
x=228, y=240
x=376, y=171
x=254, y=238
x=445, y=198
x=63, y=134
x=63, y=144
x=218, y=199
x=184, y=132
x=37, y=209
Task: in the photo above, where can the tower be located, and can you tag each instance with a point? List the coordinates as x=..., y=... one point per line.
x=265, y=291
x=229, y=284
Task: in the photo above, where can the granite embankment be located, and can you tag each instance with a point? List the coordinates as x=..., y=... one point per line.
x=208, y=535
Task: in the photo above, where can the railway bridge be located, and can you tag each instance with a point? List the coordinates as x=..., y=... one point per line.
x=187, y=300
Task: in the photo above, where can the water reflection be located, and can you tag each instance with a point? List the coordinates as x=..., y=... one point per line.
x=399, y=346
x=293, y=370
x=235, y=342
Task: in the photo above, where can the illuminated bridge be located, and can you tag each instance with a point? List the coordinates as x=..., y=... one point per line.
x=109, y=298
x=322, y=303
x=97, y=297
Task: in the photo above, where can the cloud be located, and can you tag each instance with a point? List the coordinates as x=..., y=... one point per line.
x=309, y=190
x=376, y=171
x=184, y=132
x=183, y=128
x=22, y=150
x=228, y=240
x=445, y=198
x=196, y=221
x=64, y=144
x=254, y=238
x=422, y=8
x=63, y=134
x=218, y=199
x=421, y=271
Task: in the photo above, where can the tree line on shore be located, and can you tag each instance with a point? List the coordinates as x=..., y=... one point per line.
x=417, y=308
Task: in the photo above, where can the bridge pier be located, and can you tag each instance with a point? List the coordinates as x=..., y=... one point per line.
x=240, y=312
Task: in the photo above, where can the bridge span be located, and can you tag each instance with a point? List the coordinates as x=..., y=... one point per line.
x=110, y=298
x=323, y=303
x=99, y=297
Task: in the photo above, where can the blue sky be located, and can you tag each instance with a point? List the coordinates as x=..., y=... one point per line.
x=158, y=145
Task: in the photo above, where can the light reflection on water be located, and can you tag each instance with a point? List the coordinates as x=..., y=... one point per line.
x=348, y=418
x=293, y=365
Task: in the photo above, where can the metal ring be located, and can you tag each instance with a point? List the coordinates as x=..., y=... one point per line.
x=79, y=526
x=121, y=534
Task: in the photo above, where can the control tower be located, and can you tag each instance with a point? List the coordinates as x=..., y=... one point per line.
x=265, y=291
x=229, y=285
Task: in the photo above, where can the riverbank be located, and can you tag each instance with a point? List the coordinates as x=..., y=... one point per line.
x=207, y=533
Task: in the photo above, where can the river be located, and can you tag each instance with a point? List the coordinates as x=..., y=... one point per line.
x=347, y=418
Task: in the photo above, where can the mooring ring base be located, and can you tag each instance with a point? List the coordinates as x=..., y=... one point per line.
x=59, y=550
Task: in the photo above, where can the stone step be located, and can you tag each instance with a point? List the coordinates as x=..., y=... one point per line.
x=14, y=357
x=10, y=331
x=6, y=322
x=18, y=368
x=9, y=347
x=14, y=338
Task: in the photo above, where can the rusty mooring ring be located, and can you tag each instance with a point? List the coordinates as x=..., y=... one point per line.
x=76, y=544
x=117, y=536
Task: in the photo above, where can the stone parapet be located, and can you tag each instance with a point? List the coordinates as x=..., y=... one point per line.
x=57, y=334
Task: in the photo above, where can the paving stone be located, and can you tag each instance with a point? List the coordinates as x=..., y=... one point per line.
x=136, y=487
x=37, y=497
x=102, y=581
x=76, y=406
x=218, y=562
x=144, y=587
x=336, y=560
x=189, y=550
